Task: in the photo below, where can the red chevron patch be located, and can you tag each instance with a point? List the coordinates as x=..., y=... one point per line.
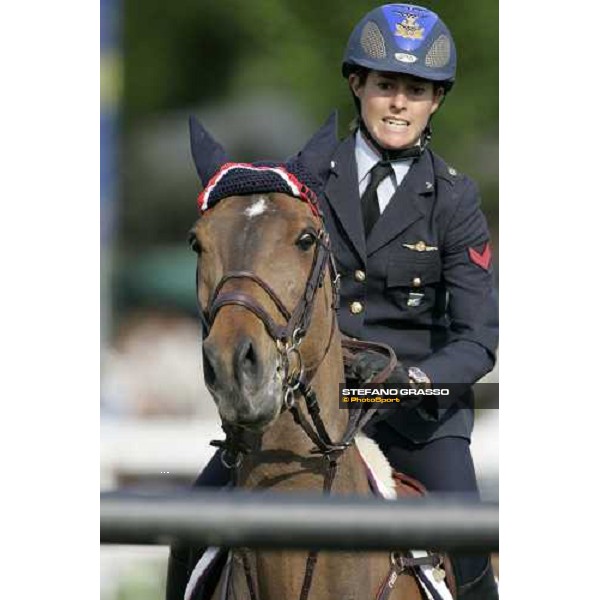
x=483, y=259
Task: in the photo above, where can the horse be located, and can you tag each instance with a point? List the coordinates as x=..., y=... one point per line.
x=273, y=359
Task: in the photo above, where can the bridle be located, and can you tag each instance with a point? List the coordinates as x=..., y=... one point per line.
x=287, y=338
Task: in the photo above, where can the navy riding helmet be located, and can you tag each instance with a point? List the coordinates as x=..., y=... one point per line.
x=403, y=38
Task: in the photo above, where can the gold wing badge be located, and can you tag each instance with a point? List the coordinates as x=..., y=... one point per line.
x=421, y=246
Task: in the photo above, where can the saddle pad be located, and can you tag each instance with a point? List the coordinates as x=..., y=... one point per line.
x=379, y=472
x=384, y=481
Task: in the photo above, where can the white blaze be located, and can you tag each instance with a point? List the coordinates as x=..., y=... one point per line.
x=258, y=208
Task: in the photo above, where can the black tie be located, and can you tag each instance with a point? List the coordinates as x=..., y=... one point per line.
x=369, y=201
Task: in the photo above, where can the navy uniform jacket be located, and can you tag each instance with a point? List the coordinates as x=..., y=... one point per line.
x=436, y=308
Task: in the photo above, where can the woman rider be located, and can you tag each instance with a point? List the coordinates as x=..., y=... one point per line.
x=412, y=247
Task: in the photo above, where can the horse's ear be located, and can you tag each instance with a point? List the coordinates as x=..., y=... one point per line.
x=208, y=154
x=316, y=154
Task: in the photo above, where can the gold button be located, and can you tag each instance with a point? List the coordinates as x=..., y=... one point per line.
x=360, y=275
x=356, y=307
x=416, y=282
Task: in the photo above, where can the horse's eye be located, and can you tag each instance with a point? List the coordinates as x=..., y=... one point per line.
x=306, y=240
x=194, y=244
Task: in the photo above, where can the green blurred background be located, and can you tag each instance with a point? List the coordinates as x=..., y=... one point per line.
x=262, y=76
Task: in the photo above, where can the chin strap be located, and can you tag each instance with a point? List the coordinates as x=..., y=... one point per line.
x=391, y=155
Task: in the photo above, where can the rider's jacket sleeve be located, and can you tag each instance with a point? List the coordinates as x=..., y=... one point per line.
x=469, y=352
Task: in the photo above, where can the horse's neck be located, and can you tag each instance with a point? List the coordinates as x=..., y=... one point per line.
x=286, y=463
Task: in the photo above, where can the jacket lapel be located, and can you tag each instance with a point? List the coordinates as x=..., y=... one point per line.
x=341, y=191
x=407, y=205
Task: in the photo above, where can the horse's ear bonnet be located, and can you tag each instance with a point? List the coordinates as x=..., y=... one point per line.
x=208, y=154
x=312, y=164
x=303, y=176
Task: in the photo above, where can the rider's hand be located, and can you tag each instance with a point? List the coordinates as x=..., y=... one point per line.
x=367, y=364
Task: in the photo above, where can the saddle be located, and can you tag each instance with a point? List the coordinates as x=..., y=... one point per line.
x=407, y=487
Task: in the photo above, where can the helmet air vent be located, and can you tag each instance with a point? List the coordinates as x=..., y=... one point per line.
x=439, y=53
x=372, y=41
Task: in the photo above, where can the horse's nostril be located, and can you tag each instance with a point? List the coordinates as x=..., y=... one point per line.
x=209, y=371
x=247, y=364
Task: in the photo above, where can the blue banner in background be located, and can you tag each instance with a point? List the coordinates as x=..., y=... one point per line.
x=110, y=92
x=110, y=96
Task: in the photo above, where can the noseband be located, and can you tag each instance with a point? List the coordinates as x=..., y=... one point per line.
x=296, y=322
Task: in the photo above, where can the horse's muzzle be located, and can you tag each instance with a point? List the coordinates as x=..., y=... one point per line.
x=244, y=384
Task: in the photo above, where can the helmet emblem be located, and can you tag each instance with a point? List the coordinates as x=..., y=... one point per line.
x=406, y=58
x=410, y=28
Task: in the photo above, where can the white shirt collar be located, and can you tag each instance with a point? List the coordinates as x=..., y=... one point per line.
x=367, y=158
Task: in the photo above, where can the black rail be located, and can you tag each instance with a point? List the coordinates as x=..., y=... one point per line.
x=299, y=522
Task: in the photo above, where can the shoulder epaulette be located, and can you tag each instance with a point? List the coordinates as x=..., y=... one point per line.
x=445, y=171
